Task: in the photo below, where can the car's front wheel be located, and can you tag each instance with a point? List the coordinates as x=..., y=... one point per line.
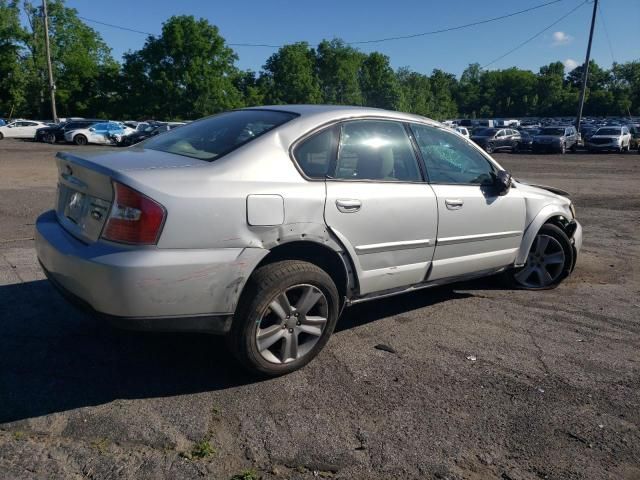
x=284, y=318
x=1, y=136
x=489, y=147
x=50, y=138
x=549, y=261
x=80, y=140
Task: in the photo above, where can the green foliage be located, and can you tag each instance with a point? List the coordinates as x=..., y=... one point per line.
x=189, y=71
x=338, y=66
x=186, y=72
x=12, y=75
x=202, y=449
x=246, y=475
x=290, y=77
x=378, y=82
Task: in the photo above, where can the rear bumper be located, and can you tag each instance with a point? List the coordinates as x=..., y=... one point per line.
x=148, y=288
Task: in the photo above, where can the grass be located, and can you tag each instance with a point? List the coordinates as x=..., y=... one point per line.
x=246, y=475
x=201, y=449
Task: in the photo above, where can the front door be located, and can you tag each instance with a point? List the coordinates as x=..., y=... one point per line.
x=478, y=230
x=379, y=206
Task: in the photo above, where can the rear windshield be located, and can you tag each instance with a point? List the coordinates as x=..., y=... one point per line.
x=485, y=132
x=609, y=131
x=213, y=137
x=552, y=131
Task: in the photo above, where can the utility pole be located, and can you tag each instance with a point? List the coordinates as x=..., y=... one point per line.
x=52, y=85
x=585, y=70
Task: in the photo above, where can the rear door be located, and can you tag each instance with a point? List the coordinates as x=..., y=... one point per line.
x=478, y=230
x=379, y=205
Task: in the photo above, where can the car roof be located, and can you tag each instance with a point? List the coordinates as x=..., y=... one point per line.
x=342, y=111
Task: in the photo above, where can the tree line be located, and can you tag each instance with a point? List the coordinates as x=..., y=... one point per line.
x=189, y=71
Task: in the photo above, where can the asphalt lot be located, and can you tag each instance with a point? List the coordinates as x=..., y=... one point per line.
x=554, y=391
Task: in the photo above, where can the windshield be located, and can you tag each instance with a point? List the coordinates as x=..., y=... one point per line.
x=609, y=131
x=213, y=137
x=485, y=132
x=552, y=131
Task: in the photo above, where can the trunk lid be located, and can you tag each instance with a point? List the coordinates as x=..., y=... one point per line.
x=85, y=190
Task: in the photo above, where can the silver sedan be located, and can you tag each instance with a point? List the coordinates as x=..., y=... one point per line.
x=262, y=224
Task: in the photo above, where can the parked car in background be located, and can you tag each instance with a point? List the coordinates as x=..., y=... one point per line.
x=635, y=136
x=610, y=138
x=556, y=139
x=493, y=139
x=462, y=131
x=144, y=133
x=105, y=133
x=526, y=139
x=56, y=133
x=261, y=224
x=586, y=131
x=21, y=129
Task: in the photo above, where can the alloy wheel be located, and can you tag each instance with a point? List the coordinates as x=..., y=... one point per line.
x=292, y=324
x=545, y=263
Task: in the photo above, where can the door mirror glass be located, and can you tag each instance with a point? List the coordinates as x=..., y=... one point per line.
x=92, y=129
x=502, y=181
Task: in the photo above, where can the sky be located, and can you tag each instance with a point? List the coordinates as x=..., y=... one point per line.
x=279, y=22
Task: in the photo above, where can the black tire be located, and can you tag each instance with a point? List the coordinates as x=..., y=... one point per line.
x=555, y=232
x=267, y=283
x=80, y=140
x=50, y=138
x=489, y=148
x=574, y=148
x=1, y=136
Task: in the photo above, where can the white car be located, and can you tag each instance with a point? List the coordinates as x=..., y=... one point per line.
x=462, y=131
x=105, y=133
x=21, y=129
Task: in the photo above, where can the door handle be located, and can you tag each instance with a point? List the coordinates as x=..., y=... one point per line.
x=454, y=203
x=348, y=205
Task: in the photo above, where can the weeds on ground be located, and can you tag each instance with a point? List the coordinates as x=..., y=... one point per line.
x=201, y=449
x=246, y=475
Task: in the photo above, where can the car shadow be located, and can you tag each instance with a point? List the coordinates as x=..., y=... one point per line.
x=56, y=358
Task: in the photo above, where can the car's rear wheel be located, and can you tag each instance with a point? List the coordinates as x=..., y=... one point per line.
x=549, y=261
x=50, y=138
x=489, y=148
x=285, y=317
x=80, y=140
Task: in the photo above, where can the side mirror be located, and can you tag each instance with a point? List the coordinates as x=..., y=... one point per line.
x=502, y=182
x=92, y=129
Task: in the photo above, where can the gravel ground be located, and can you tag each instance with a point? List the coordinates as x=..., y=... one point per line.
x=553, y=392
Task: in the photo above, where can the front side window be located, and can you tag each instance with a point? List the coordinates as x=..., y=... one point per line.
x=315, y=154
x=213, y=137
x=450, y=159
x=376, y=150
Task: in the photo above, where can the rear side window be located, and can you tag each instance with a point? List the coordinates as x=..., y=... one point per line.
x=213, y=137
x=376, y=150
x=314, y=155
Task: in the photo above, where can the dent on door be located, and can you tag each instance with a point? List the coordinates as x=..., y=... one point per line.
x=389, y=230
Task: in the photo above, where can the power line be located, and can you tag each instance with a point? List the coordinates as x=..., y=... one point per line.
x=606, y=34
x=530, y=39
x=360, y=42
x=459, y=27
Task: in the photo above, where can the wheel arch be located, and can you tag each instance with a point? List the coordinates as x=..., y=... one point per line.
x=554, y=214
x=334, y=261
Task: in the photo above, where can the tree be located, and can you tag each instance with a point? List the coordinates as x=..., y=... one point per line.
x=78, y=54
x=290, y=77
x=338, y=66
x=443, y=87
x=12, y=36
x=378, y=82
x=186, y=72
x=468, y=94
x=415, y=91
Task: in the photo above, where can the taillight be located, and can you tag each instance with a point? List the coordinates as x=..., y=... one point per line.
x=134, y=217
